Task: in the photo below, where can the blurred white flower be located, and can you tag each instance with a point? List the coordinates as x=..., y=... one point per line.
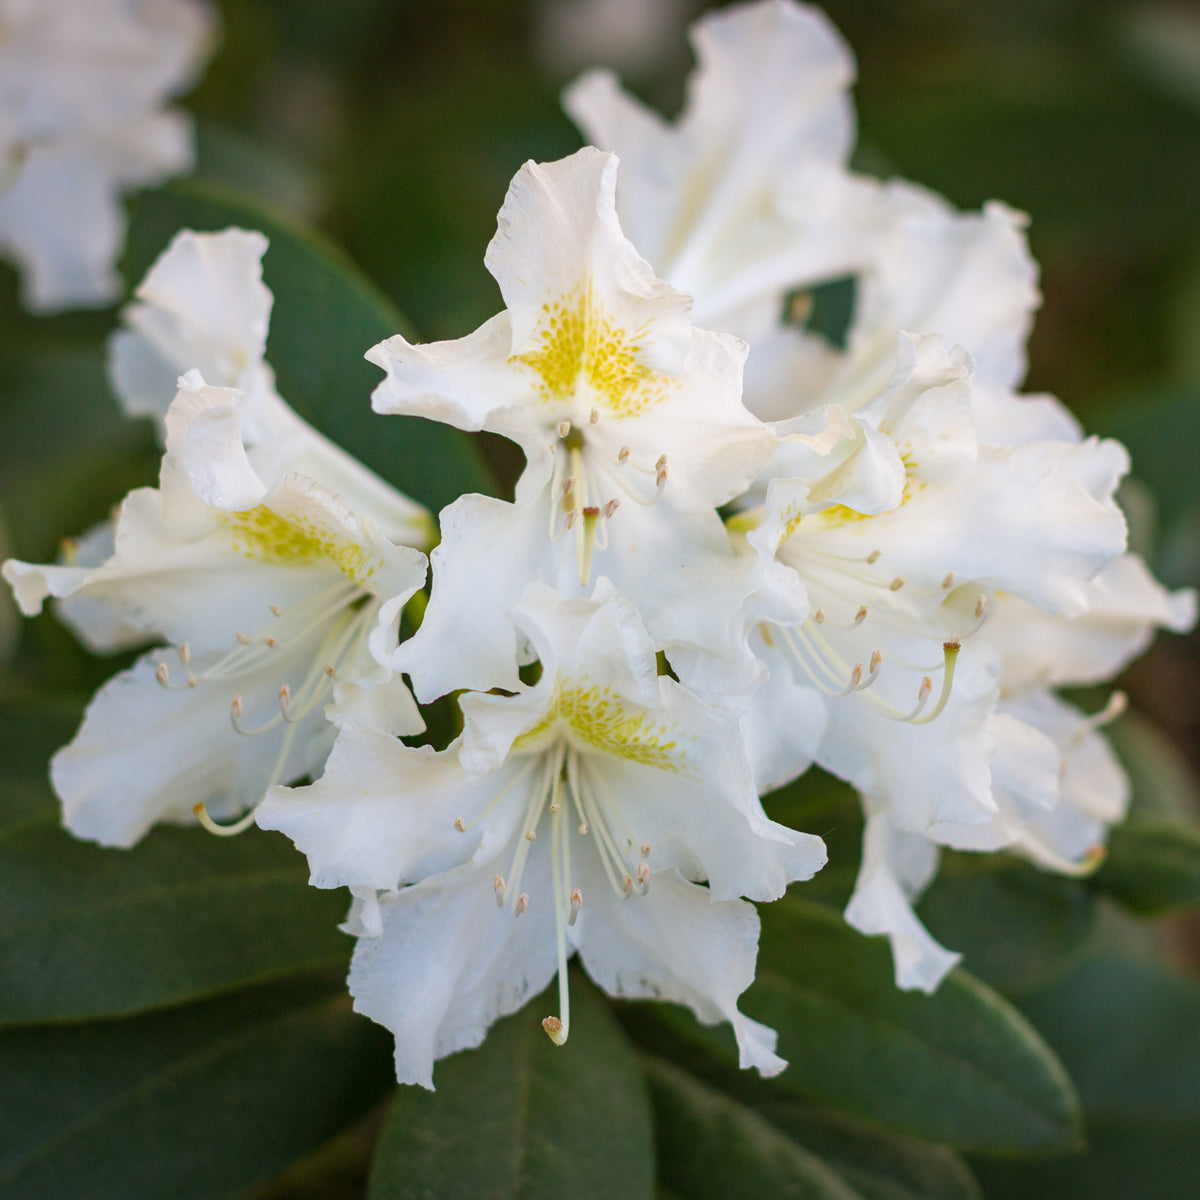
x=82, y=89
x=577, y=815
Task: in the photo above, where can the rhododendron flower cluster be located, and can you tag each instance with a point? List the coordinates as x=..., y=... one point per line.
x=736, y=549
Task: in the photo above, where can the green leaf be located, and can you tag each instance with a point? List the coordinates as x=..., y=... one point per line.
x=522, y=1118
x=1152, y=866
x=961, y=1066
x=1130, y=1035
x=1012, y=923
x=711, y=1147
x=877, y=1164
x=326, y=316
x=92, y=932
x=1153, y=859
x=195, y=1104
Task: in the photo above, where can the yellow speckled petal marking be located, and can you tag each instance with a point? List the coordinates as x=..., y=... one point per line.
x=604, y=722
x=578, y=344
x=268, y=536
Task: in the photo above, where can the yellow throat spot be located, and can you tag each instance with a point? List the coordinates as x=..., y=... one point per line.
x=268, y=536
x=578, y=345
x=604, y=722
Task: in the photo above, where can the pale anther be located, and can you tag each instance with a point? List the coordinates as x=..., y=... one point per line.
x=185, y=653
x=531, y=835
x=819, y=616
x=498, y=888
x=611, y=507
x=285, y=695
x=627, y=884
x=643, y=873
x=522, y=904
x=661, y=465
x=277, y=610
x=981, y=607
x=272, y=642
x=242, y=638
x=948, y=582
x=572, y=517
x=594, y=415
x=236, y=707
x=162, y=674
x=330, y=671
x=645, y=849
x=896, y=584
x=622, y=455
x=583, y=827
x=874, y=556
x=564, y=427
x=576, y=905
x=461, y=826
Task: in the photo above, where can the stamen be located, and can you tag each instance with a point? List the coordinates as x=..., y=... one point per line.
x=270, y=641
x=285, y=696
x=185, y=653
x=627, y=884
x=611, y=507
x=277, y=610
x=163, y=675
x=531, y=835
x=583, y=828
x=498, y=888
x=591, y=520
x=554, y=1027
x=521, y=905
x=874, y=556
x=643, y=875
x=948, y=581
x=241, y=637
x=645, y=849
x=896, y=584
x=558, y=1027
x=950, y=649
x=594, y=416
x=1115, y=706
x=238, y=826
x=622, y=456
x=461, y=826
x=564, y=428
x=576, y=905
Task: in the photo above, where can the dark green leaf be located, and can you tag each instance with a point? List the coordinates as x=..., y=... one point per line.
x=878, y=1165
x=520, y=1117
x=195, y=1104
x=711, y=1147
x=960, y=1067
x=92, y=932
x=1012, y=923
x=326, y=316
x=1130, y=1034
x=1153, y=860
x=1152, y=866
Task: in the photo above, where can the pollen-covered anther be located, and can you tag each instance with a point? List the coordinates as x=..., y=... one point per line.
x=896, y=584
x=163, y=675
x=285, y=696
x=564, y=428
x=270, y=641
x=553, y=1027
x=627, y=885
x=646, y=849
x=819, y=616
x=277, y=610
x=331, y=671
x=243, y=640
x=554, y=807
x=643, y=874
x=461, y=826
x=594, y=416
x=874, y=556
x=531, y=835
x=876, y=662
x=572, y=517
x=611, y=507
x=948, y=581
x=236, y=708
x=576, y=905
x=498, y=888
x=521, y=905
x=583, y=828
x=185, y=653
x=622, y=456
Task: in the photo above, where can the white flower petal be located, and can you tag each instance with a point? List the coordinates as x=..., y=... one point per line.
x=896, y=868
x=676, y=943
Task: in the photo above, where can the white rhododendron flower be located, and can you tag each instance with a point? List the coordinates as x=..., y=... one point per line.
x=595, y=370
x=82, y=89
x=203, y=306
x=274, y=595
x=579, y=814
x=746, y=203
